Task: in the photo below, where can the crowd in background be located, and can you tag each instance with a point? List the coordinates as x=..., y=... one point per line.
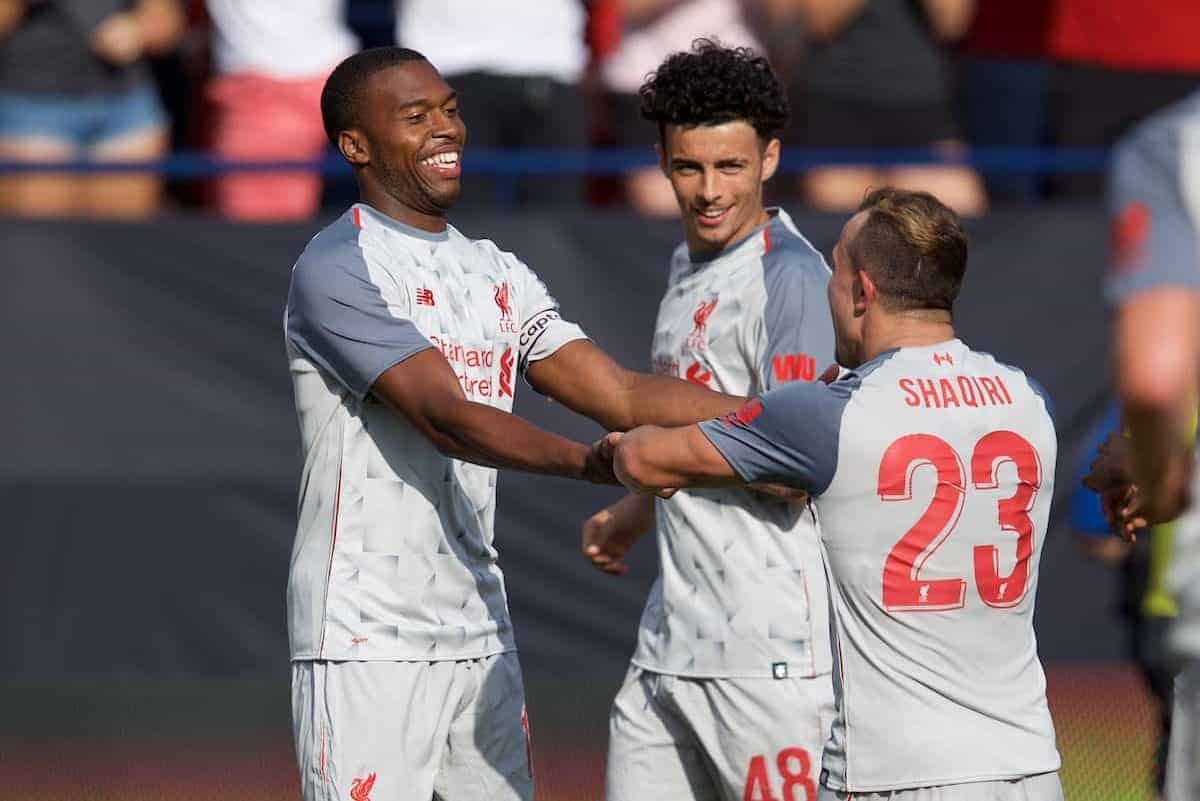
x=122, y=80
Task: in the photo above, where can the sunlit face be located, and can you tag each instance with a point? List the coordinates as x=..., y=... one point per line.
x=416, y=136
x=846, y=298
x=717, y=172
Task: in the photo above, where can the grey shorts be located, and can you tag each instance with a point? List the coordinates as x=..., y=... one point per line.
x=412, y=731
x=673, y=738
x=1183, y=761
x=1042, y=787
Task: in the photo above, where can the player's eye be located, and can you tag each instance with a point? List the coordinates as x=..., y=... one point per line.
x=451, y=111
x=416, y=117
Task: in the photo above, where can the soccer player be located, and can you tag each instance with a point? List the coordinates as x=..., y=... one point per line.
x=1155, y=286
x=728, y=695
x=932, y=469
x=405, y=341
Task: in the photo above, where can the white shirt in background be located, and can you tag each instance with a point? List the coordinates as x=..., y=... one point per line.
x=504, y=37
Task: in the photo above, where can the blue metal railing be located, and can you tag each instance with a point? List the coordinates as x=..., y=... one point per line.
x=514, y=163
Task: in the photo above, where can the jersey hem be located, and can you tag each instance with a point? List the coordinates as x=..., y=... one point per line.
x=727, y=674
x=340, y=657
x=916, y=784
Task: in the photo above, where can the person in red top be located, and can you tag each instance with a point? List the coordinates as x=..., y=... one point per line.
x=1117, y=64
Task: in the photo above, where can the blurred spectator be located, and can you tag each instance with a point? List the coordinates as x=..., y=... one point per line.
x=878, y=77
x=1117, y=64
x=1005, y=75
x=74, y=83
x=653, y=29
x=517, y=66
x=270, y=60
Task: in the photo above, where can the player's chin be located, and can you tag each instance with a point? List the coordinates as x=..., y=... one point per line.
x=447, y=194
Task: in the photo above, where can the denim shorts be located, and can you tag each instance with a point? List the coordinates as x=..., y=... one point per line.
x=84, y=121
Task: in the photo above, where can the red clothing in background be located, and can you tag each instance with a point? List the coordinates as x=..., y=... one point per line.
x=1146, y=36
x=1010, y=29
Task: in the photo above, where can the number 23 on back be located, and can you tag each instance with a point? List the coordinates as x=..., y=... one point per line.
x=903, y=588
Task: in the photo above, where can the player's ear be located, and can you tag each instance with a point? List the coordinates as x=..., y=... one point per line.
x=865, y=292
x=354, y=147
x=770, y=159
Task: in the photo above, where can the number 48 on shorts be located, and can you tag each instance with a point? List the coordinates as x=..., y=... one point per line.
x=793, y=766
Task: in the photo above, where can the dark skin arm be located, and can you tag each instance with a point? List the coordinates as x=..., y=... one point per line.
x=424, y=390
x=586, y=380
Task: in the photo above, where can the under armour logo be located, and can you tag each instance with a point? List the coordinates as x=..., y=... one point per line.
x=942, y=359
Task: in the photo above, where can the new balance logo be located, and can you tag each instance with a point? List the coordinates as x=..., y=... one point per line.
x=942, y=359
x=360, y=789
x=425, y=297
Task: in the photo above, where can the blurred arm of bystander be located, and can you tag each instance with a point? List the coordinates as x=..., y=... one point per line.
x=151, y=27
x=11, y=12
x=950, y=19
x=823, y=19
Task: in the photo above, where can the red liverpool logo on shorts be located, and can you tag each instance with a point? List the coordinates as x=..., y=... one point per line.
x=360, y=789
x=698, y=339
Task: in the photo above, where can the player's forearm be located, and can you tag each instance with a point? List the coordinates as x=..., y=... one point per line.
x=655, y=400
x=1163, y=458
x=649, y=458
x=633, y=513
x=1156, y=352
x=482, y=435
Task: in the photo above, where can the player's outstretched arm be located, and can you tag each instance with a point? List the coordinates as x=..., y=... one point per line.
x=650, y=459
x=1156, y=335
x=587, y=380
x=424, y=389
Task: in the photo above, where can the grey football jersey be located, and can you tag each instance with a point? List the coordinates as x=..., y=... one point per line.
x=933, y=472
x=1154, y=198
x=393, y=558
x=741, y=590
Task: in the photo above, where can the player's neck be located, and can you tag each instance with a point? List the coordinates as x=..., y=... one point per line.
x=384, y=202
x=906, y=330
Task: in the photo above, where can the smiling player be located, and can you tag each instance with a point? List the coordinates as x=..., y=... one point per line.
x=405, y=341
x=728, y=695
x=933, y=510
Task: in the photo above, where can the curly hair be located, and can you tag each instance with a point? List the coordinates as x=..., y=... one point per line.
x=712, y=85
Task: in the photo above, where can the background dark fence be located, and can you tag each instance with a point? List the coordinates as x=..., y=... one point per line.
x=151, y=460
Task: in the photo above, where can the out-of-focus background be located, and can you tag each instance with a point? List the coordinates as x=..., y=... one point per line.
x=162, y=163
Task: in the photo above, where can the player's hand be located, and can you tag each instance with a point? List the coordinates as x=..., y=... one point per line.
x=605, y=542
x=598, y=467
x=830, y=375
x=613, y=439
x=118, y=39
x=1111, y=476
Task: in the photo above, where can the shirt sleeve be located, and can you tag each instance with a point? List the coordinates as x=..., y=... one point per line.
x=797, y=326
x=1154, y=204
x=543, y=330
x=788, y=436
x=340, y=319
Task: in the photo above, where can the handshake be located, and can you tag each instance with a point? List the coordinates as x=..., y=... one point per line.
x=608, y=463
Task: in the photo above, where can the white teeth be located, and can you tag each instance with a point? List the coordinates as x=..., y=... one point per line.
x=712, y=214
x=441, y=160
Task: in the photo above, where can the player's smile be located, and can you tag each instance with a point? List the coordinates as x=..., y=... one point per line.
x=444, y=163
x=713, y=217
